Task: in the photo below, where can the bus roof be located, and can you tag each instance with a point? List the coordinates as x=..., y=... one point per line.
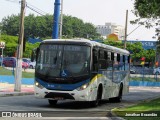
x=92, y=43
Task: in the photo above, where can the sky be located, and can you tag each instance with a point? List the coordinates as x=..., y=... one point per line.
x=97, y=12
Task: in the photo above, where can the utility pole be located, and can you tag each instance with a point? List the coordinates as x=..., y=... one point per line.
x=61, y=20
x=125, y=36
x=18, y=73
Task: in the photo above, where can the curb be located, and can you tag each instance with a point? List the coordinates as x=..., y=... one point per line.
x=114, y=116
x=4, y=94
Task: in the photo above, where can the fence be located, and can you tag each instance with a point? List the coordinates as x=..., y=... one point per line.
x=7, y=79
x=144, y=77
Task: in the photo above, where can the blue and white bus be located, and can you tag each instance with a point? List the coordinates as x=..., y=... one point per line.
x=80, y=70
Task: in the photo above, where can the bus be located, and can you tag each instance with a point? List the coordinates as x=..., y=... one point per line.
x=80, y=70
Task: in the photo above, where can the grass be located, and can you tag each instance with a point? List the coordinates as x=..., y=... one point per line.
x=151, y=108
x=4, y=71
x=145, y=79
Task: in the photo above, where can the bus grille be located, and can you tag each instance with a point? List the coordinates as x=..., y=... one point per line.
x=59, y=95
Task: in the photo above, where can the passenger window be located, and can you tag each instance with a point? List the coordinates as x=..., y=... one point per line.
x=102, y=63
x=109, y=62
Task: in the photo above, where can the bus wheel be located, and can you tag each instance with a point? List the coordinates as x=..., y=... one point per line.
x=98, y=98
x=119, y=97
x=52, y=102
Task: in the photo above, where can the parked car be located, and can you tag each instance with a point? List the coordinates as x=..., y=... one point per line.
x=28, y=60
x=132, y=71
x=32, y=65
x=156, y=70
x=11, y=62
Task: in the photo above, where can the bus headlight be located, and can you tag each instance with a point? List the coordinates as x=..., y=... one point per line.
x=39, y=85
x=83, y=87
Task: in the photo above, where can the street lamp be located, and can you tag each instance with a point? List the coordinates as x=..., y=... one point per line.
x=2, y=46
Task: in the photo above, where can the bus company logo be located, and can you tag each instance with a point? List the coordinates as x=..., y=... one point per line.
x=49, y=85
x=6, y=114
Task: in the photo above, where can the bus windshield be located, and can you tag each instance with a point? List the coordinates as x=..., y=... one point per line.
x=63, y=60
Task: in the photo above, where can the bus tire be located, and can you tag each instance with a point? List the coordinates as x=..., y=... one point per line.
x=119, y=97
x=52, y=102
x=98, y=97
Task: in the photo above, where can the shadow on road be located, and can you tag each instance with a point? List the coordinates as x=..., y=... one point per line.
x=75, y=105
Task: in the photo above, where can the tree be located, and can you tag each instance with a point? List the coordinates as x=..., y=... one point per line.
x=149, y=55
x=41, y=26
x=136, y=50
x=149, y=9
x=11, y=46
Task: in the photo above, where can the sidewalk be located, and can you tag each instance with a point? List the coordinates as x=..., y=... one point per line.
x=8, y=90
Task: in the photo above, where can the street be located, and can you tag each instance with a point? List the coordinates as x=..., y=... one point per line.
x=76, y=109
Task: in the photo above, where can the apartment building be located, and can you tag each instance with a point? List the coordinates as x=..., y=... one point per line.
x=110, y=28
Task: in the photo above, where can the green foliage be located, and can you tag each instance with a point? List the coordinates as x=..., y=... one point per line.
x=11, y=46
x=41, y=26
x=9, y=39
x=145, y=107
x=118, y=44
x=136, y=50
x=149, y=9
x=149, y=55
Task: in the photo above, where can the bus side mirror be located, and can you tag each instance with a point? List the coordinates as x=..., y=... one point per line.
x=34, y=54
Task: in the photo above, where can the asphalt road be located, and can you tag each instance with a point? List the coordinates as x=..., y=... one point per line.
x=75, y=109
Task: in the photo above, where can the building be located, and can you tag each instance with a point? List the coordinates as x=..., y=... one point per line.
x=145, y=44
x=110, y=28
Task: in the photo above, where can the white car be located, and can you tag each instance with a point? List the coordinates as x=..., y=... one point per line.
x=156, y=70
x=32, y=65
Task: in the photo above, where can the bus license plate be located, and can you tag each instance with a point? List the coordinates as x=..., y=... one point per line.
x=58, y=98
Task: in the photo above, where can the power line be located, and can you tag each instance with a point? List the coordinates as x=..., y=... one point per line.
x=13, y=1
x=34, y=10
x=136, y=28
x=31, y=6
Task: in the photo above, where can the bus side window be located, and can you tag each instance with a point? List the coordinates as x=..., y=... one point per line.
x=126, y=63
x=109, y=62
x=121, y=63
x=115, y=62
x=101, y=61
x=95, y=59
x=118, y=57
x=112, y=56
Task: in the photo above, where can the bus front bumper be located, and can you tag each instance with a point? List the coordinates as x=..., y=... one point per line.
x=83, y=95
